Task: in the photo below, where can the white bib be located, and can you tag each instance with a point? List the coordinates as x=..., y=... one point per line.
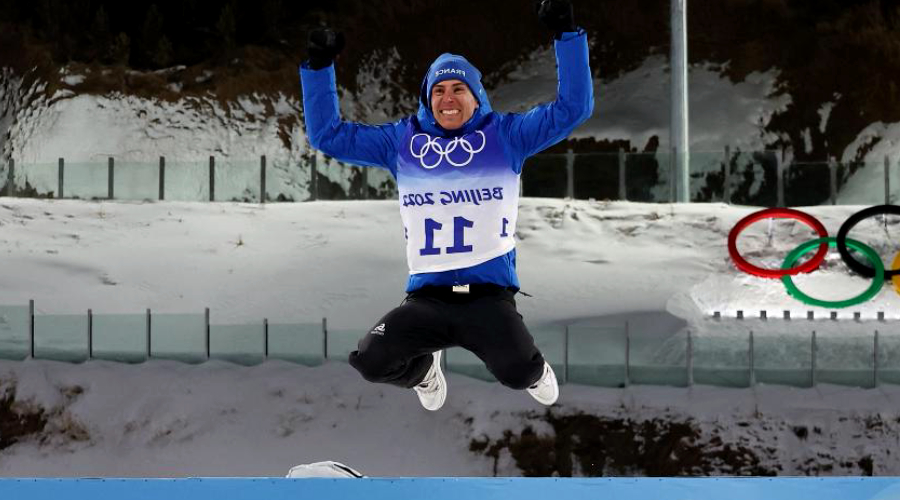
x=459, y=199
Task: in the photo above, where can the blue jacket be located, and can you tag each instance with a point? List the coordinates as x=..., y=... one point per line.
x=525, y=134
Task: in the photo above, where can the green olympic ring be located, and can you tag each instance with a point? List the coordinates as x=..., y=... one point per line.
x=870, y=254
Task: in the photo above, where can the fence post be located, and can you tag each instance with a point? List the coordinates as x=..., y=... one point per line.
x=627, y=356
x=832, y=176
x=31, y=328
x=313, y=179
x=752, y=361
x=813, y=359
x=875, y=362
x=212, y=178
x=779, y=181
x=262, y=179
x=206, y=319
x=90, y=334
x=162, y=178
x=566, y=355
x=265, y=338
x=324, y=339
x=887, y=180
x=522, y=185
x=110, y=178
x=623, y=193
x=570, y=174
x=149, y=340
x=673, y=162
x=365, y=183
x=62, y=167
x=897, y=170
x=727, y=191
x=11, y=178
x=690, y=360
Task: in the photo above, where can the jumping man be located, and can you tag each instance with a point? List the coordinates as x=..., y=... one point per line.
x=457, y=164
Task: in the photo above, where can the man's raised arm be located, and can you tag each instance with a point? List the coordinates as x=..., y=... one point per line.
x=547, y=124
x=360, y=144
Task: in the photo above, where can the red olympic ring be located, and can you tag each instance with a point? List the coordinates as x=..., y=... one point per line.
x=777, y=213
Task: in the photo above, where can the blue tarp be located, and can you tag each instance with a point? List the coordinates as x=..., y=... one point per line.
x=831, y=488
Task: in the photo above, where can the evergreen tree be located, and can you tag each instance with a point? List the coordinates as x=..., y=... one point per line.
x=151, y=36
x=272, y=11
x=99, y=36
x=162, y=56
x=227, y=28
x=120, y=49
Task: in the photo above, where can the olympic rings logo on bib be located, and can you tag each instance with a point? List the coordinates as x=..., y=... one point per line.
x=445, y=151
x=875, y=270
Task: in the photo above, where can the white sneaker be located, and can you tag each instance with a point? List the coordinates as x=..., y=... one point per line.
x=432, y=391
x=545, y=390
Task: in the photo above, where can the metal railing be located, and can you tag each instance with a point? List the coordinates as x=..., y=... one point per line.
x=612, y=356
x=758, y=178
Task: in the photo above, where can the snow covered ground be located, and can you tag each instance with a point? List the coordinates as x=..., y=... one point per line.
x=582, y=262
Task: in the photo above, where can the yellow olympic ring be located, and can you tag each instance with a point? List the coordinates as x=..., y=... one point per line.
x=896, y=278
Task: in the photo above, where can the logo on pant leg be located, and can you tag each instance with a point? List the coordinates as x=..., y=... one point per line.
x=378, y=330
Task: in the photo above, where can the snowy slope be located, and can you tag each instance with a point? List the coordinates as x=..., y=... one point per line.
x=633, y=107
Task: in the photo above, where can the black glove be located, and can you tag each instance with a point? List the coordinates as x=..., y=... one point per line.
x=557, y=15
x=323, y=46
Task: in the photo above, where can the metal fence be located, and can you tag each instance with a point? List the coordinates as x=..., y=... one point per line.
x=758, y=178
x=610, y=356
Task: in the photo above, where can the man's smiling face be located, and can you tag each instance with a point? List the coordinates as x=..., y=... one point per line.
x=452, y=103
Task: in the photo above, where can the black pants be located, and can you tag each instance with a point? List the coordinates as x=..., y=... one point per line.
x=397, y=350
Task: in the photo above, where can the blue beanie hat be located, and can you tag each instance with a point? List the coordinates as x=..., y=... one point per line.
x=452, y=67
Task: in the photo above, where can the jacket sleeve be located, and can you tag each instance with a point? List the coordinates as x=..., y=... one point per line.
x=547, y=124
x=357, y=143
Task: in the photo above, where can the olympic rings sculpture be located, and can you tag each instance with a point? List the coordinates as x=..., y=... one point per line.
x=875, y=270
x=432, y=144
